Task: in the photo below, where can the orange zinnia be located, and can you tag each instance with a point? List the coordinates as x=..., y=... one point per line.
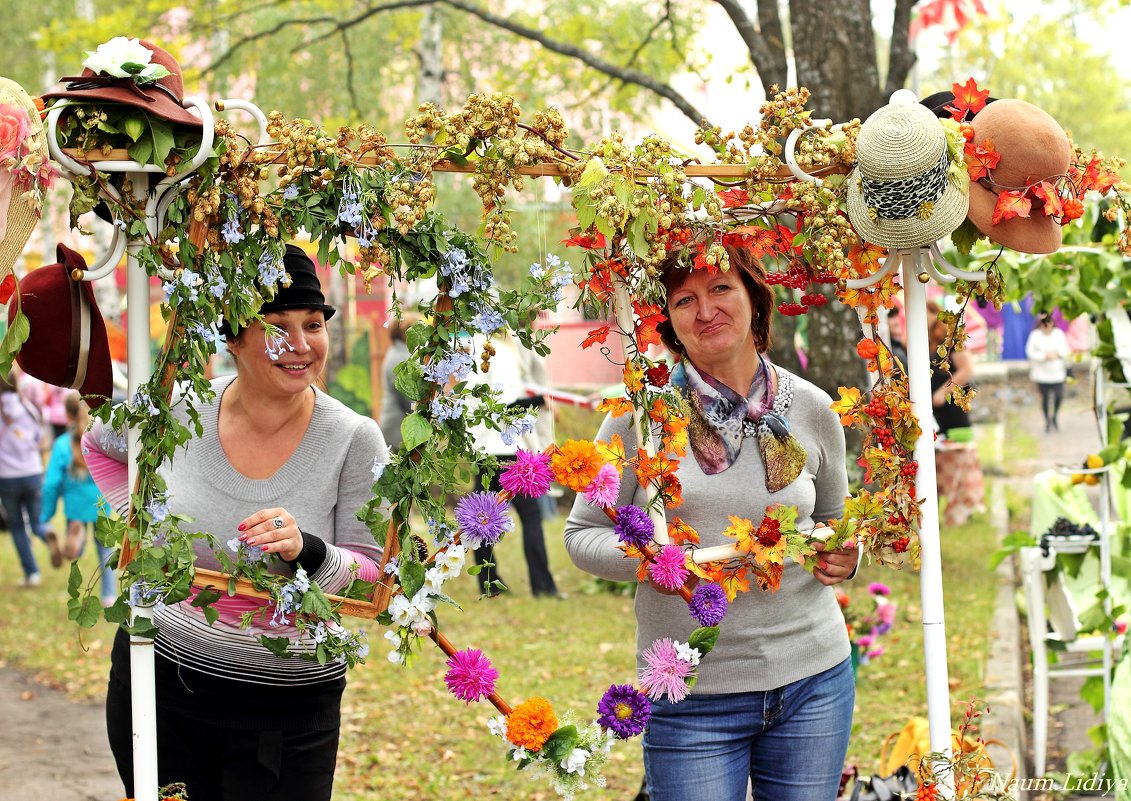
x=531, y=723
x=575, y=464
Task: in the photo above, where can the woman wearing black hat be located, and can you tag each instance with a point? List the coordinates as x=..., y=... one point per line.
x=280, y=472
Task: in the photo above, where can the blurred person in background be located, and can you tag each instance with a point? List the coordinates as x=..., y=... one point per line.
x=1047, y=352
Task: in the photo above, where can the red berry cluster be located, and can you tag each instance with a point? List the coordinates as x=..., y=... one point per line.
x=877, y=409
x=814, y=299
x=900, y=545
x=909, y=470
x=792, y=309
x=884, y=437
x=797, y=277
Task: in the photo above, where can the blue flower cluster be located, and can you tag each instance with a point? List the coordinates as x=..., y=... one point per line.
x=456, y=365
x=230, y=230
x=487, y=319
x=142, y=401
x=198, y=329
x=290, y=598
x=516, y=428
x=465, y=274
x=445, y=407
x=245, y=552
x=142, y=593
x=276, y=343
x=270, y=267
x=441, y=531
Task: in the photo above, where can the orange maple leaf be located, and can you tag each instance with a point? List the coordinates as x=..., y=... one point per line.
x=675, y=441
x=1011, y=204
x=735, y=582
x=743, y=531
x=866, y=258
x=848, y=405
x=1052, y=204
x=591, y=240
x=980, y=158
x=672, y=491
x=600, y=282
x=633, y=378
x=615, y=406
x=596, y=335
x=649, y=468
x=734, y=197
x=712, y=571
x=682, y=534
x=769, y=577
x=613, y=452
x=761, y=241
x=650, y=316
x=967, y=97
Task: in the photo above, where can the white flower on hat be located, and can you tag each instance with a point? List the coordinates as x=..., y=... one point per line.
x=125, y=58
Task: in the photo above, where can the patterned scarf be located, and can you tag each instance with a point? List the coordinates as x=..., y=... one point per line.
x=721, y=419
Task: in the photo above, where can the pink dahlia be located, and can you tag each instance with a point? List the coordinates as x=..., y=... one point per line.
x=668, y=570
x=605, y=487
x=470, y=676
x=665, y=673
x=530, y=475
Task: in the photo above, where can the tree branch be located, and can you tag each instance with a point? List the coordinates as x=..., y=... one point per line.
x=901, y=56
x=264, y=34
x=351, y=88
x=625, y=74
x=372, y=11
x=769, y=23
x=770, y=69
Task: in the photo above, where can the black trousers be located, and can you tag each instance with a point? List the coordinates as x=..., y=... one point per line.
x=1051, y=397
x=218, y=763
x=533, y=545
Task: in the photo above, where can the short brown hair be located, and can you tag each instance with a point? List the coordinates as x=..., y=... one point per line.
x=673, y=272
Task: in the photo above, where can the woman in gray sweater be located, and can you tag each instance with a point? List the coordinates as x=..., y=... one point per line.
x=773, y=702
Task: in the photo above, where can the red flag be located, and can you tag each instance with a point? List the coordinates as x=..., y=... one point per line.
x=951, y=15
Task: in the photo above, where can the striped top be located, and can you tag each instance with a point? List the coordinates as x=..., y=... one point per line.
x=323, y=484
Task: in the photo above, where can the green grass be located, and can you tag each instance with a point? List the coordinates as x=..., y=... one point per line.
x=404, y=737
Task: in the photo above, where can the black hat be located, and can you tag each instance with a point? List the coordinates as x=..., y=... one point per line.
x=304, y=291
x=938, y=102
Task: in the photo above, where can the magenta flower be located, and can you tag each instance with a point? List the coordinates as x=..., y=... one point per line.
x=605, y=487
x=876, y=588
x=470, y=676
x=665, y=673
x=668, y=570
x=482, y=519
x=623, y=710
x=530, y=475
x=708, y=604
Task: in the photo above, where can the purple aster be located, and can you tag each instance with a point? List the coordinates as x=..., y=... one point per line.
x=530, y=475
x=623, y=710
x=482, y=519
x=669, y=569
x=708, y=604
x=633, y=526
x=665, y=673
x=604, y=488
x=470, y=676
x=876, y=588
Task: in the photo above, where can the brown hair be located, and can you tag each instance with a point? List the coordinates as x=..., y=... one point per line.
x=673, y=273
x=936, y=329
x=76, y=425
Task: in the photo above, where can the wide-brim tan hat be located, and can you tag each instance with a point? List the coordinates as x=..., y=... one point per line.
x=1033, y=148
x=902, y=193
x=20, y=212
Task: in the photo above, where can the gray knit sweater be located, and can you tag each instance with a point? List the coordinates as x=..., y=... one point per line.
x=767, y=640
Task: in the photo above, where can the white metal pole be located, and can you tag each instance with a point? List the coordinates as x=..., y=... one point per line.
x=142, y=678
x=930, y=573
x=1100, y=401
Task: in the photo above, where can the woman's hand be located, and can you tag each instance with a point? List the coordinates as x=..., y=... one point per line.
x=273, y=531
x=836, y=565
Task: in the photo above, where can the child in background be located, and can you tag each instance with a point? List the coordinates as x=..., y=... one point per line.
x=67, y=476
x=21, y=477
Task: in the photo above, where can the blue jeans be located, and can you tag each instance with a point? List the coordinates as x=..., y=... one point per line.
x=108, y=578
x=22, y=496
x=789, y=742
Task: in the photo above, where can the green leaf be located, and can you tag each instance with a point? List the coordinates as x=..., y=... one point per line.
x=412, y=577
x=141, y=627
x=408, y=378
x=594, y=172
x=1092, y=691
x=204, y=600
x=276, y=645
x=560, y=744
x=134, y=126
x=704, y=639
x=415, y=431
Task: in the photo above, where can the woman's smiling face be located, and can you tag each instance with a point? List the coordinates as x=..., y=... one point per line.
x=301, y=351
x=712, y=315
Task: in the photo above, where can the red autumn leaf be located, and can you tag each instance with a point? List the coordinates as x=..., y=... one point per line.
x=1094, y=178
x=590, y=240
x=734, y=197
x=980, y=159
x=1010, y=205
x=596, y=335
x=1051, y=201
x=7, y=287
x=786, y=235
x=650, y=316
x=760, y=240
x=967, y=97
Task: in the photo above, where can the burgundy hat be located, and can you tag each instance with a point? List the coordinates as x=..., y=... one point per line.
x=119, y=72
x=67, y=344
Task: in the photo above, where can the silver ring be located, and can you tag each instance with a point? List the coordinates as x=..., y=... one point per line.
x=278, y=522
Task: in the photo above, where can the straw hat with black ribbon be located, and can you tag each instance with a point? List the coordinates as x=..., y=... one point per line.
x=904, y=191
x=21, y=136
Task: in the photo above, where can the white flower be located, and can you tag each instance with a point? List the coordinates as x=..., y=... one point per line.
x=498, y=726
x=688, y=654
x=434, y=579
x=575, y=762
x=518, y=754
x=422, y=628
x=378, y=467
x=397, y=658
x=451, y=561
x=112, y=57
x=401, y=610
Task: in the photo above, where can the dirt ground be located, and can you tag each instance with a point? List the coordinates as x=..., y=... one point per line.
x=52, y=748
